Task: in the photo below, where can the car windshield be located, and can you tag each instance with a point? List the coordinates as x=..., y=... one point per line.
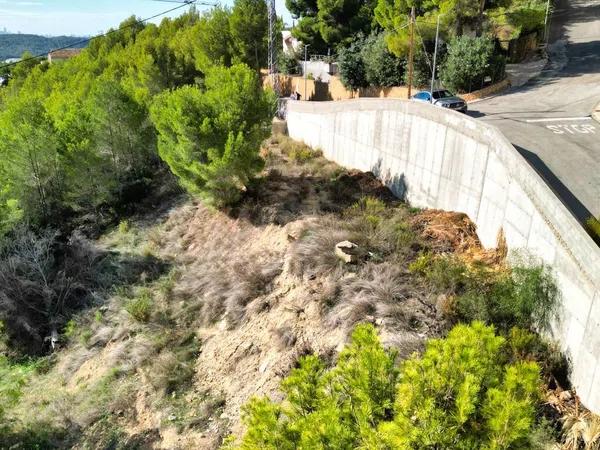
x=442, y=94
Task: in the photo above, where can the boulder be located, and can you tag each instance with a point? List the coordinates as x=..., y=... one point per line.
x=347, y=251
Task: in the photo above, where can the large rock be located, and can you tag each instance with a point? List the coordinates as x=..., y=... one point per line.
x=347, y=251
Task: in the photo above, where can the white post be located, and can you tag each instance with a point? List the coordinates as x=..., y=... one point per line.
x=546, y=23
x=437, y=33
x=305, y=68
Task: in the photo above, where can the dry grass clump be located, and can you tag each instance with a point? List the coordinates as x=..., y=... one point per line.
x=227, y=264
x=313, y=253
x=298, y=152
x=383, y=292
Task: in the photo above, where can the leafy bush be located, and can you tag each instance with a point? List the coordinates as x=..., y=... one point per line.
x=287, y=63
x=464, y=392
x=525, y=296
x=211, y=138
x=298, y=151
x=469, y=61
x=382, y=68
x=352, y=66
x=327, y=409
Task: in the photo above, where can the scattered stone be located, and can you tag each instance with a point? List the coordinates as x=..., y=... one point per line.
x=565, y=396
x=347, y=251
x=172, y=417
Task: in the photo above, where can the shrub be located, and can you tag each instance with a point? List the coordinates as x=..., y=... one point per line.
x=288, y=63
x=382, y=68
x=298, y=151
x=469, y=61
x=352, y=66
x=527, y=297
x=43, y=280
x=211, y=138
x=464, y=392
x=446, y=273
x=140, y=308
x=327, y=409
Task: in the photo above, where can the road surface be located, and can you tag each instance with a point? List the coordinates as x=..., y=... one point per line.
x=548, y=119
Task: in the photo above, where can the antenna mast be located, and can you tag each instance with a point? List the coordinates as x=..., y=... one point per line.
x=273, y=45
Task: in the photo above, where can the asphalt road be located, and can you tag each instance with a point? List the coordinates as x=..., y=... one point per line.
x=548, y=119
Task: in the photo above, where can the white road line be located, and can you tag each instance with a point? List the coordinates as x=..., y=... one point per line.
x=558, y=119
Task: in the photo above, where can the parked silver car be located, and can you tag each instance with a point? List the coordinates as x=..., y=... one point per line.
x=442, y=98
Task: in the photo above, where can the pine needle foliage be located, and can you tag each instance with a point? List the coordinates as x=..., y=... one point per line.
x=210, y=137
x=464, y=392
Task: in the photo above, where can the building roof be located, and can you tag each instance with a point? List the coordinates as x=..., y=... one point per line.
x=66, y=53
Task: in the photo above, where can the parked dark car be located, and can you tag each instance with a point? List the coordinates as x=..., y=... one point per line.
x=443, y=99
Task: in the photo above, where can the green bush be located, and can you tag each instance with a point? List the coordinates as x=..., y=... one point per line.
x=464, y=392
x=352, y=66
x=445, y=273
x=382, y=68
x=288, y=63
x=140, y=307
x=211, y=138
x=469, y=61
x=527, y=297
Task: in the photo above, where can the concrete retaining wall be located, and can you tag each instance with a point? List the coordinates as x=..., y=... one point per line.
x=443, y=159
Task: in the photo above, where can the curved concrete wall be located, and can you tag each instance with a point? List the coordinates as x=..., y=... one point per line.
x=442, y=159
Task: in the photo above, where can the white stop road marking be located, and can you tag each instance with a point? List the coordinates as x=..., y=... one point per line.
x=572, y=128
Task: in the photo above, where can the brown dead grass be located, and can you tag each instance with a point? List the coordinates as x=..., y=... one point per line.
x=452, y=232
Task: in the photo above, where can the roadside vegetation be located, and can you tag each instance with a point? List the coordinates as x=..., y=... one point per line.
x=162, y=264
x=372, y=41
x=204, y=310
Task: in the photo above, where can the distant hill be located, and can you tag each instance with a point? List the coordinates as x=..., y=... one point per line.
x=13, y=45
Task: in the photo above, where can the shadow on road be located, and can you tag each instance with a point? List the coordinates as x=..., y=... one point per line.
x=581, y=213
x=475, y=114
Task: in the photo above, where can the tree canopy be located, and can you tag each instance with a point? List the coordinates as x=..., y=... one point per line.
x=76, y=137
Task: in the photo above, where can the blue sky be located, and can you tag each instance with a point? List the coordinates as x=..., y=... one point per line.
x=83, y=17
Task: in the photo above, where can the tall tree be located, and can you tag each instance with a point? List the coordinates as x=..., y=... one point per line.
x=210, y=139
x=326, y=24
x=249, y=25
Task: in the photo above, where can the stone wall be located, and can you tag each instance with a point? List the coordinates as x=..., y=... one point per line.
x=437, y=158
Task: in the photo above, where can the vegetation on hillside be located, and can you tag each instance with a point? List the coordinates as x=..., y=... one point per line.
x=161, y=264
x=198, y=305
x=466, y=391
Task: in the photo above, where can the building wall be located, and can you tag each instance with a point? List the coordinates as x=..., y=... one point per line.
x=334, y=89
x=442, y=159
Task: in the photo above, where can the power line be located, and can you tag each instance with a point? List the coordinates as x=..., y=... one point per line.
x=83, y=41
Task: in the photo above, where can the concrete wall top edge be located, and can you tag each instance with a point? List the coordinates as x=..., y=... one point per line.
x=584, y=251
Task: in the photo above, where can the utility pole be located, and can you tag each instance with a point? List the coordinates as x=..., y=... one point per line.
x=411, y=51
x=437, y=35
x=273, y=47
